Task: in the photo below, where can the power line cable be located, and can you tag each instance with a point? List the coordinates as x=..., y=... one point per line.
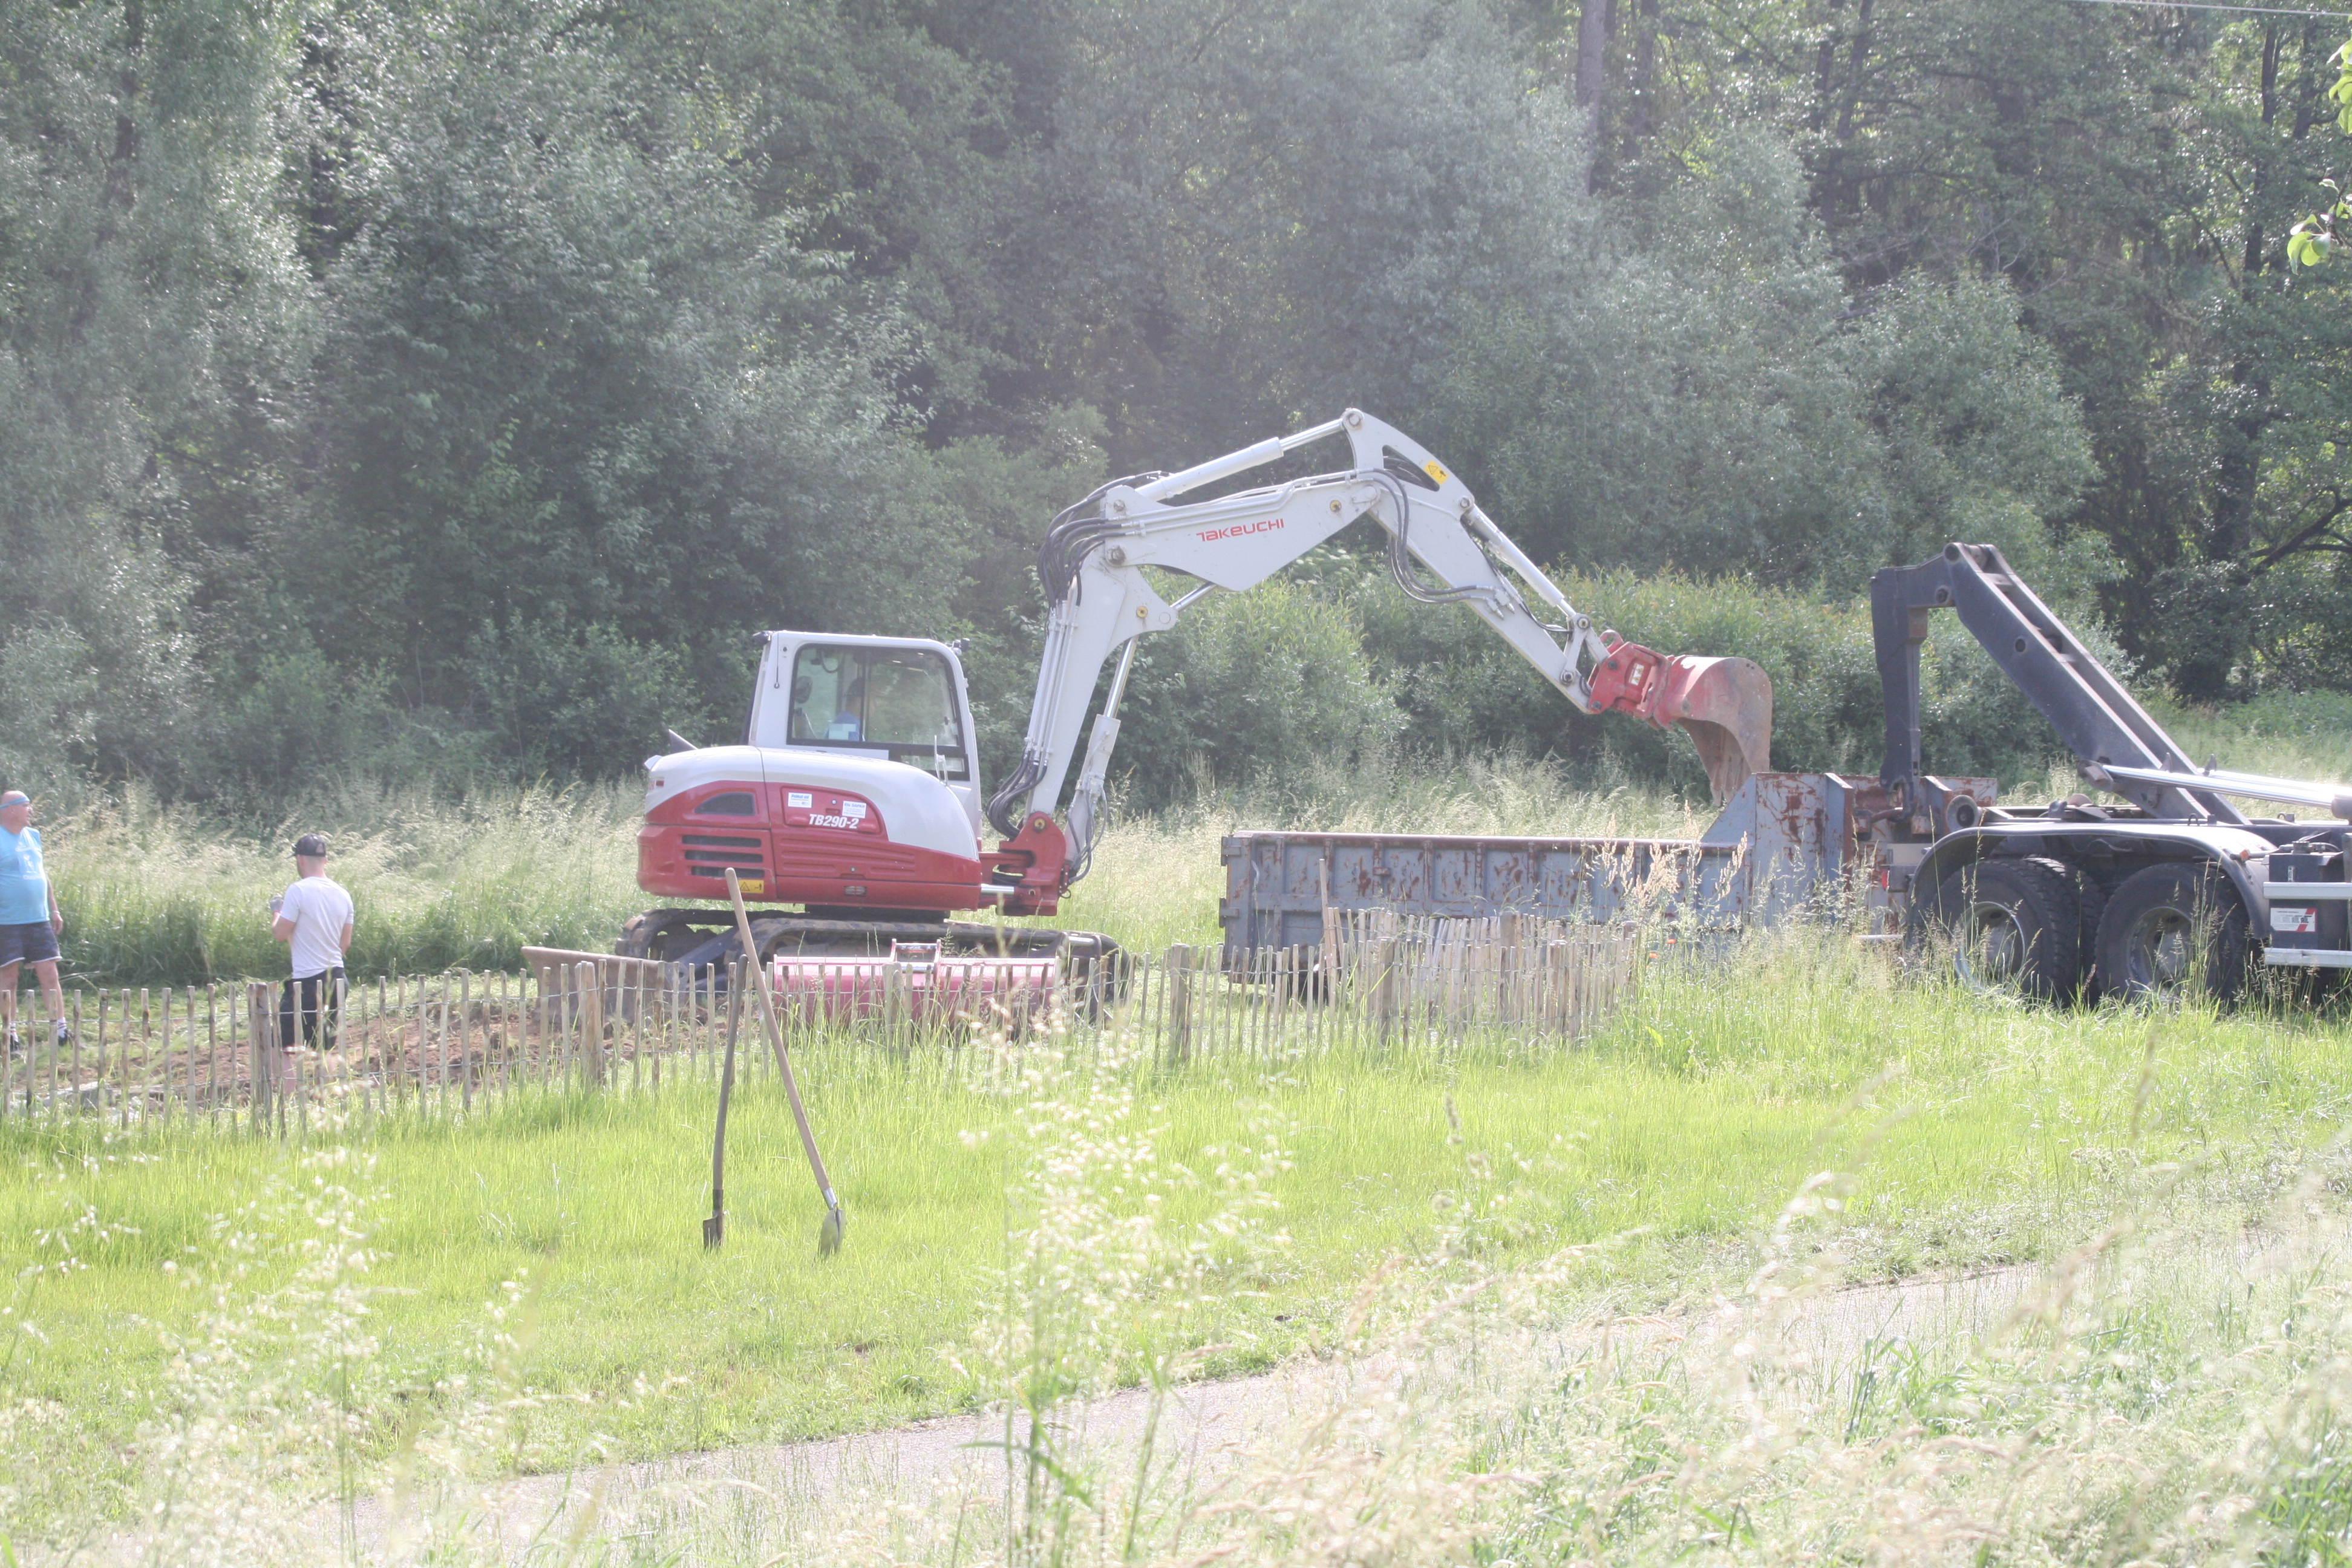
x=2213, y=5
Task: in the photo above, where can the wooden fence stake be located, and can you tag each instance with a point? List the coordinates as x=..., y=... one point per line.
x=257, y=1000
x=592, y=1022
x=1180, y=1004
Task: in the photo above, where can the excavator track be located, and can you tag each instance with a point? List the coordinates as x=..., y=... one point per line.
x=700, y=937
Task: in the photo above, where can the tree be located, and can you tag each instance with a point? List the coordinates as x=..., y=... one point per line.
x=152, y=318
x=587, y=405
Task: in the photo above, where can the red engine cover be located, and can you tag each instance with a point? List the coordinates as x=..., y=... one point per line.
x=823, y=848
x=792, y=844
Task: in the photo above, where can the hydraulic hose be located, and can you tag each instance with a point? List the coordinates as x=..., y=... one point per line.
x=1073, y=535
x=1020, y=782
x=1400, y=566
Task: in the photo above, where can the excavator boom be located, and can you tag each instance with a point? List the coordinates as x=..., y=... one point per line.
x=1443, y=549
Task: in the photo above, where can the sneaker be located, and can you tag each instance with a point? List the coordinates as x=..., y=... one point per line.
x=62, y=1033
x=16, y=1043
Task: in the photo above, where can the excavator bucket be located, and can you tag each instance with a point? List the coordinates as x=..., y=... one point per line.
x=1725, y=705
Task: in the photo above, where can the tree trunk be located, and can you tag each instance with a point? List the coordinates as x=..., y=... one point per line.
x=1592, y=53
x=1644, y=115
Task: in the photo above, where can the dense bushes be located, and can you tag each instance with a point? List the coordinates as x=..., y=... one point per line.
x=1264, y=683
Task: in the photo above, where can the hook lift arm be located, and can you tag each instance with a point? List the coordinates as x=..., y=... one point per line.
x=1091, y=566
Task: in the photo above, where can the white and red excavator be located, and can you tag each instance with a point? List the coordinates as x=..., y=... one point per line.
x=852, y=815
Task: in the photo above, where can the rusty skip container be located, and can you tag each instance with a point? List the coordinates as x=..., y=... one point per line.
x=1786, y=845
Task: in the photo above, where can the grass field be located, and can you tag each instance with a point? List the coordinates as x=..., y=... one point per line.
x=1978, y=1132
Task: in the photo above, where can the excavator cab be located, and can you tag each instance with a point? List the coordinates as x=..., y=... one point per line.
x=899, y=700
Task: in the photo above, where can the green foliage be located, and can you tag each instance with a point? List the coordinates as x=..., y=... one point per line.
x=1265, y=683
x=448, y=388
x=582, y=382
x=151, y=308
x=976, y=511
x=1463, y=689
x=563, y=703
x=1729, y=414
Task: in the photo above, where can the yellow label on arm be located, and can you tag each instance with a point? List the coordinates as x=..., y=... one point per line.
x=1434, y=469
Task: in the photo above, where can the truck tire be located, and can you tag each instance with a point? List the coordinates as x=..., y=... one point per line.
x=2013, y=927
x=2174, y=931
x=2091, y=902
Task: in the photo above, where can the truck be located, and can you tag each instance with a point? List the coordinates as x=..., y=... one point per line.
x=2166, y=890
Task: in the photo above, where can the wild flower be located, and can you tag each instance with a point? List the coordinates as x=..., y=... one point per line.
x=272, y=1395
x=1099, y=1279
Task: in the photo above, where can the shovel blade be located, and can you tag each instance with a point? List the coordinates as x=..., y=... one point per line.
x=1726, y=707
x=714, y=1231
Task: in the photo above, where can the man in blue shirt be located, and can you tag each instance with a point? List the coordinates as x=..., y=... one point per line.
x=30, y=920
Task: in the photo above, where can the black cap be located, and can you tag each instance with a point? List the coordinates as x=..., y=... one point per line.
x=310, y=844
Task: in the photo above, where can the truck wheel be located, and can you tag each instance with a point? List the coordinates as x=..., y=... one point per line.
x=2173, y=931
x=2013, y=928
x=2091, y=902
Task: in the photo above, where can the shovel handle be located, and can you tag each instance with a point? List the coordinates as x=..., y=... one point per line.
x=714, y=1229
x=776, y=1040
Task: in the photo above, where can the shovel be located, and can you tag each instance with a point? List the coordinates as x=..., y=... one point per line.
x=828, y=1235
x=1725, y=705
x=714, y=1229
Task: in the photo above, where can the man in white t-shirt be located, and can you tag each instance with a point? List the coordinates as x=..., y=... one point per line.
x=313, y=917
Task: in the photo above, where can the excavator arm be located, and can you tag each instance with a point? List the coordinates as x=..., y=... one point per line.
x=1442, y=550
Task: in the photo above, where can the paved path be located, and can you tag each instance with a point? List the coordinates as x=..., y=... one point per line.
x=1213, y=1427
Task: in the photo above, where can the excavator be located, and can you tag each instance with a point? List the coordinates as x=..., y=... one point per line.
x=852, y=812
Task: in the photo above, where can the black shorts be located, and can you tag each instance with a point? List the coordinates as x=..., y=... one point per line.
x=315, y=995
x=32, y=942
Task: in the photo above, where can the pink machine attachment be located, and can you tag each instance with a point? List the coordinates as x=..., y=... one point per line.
x=973, y=990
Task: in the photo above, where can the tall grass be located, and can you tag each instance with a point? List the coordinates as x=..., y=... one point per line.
x=2288, y=735
x=157, y=893
x=154, y=893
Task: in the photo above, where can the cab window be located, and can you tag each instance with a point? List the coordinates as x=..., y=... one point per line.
x=894, y=703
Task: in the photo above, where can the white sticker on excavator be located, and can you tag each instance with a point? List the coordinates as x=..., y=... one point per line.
x=2301, y=921
x=853, y=809
x=798, y=800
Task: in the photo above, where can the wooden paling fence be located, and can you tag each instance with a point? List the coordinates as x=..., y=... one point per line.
x=438, y=1045
x=432, y=1043
x=1560, y=977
